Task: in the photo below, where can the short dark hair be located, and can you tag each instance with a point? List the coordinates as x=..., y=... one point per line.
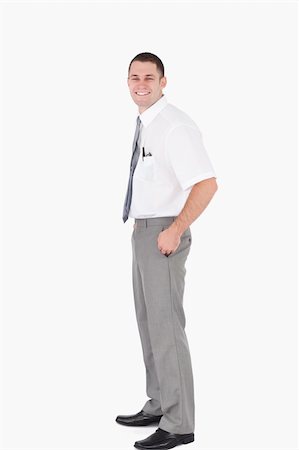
x=146, y=56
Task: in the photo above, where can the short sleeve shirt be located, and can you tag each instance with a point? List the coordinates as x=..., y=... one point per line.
x=172, y=159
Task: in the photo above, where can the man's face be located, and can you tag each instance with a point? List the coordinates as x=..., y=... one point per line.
x=144, y=84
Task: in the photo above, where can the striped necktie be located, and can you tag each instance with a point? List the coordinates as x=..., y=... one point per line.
x=134, y=160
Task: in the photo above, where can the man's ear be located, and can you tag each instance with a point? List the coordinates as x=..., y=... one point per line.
x=163, y=82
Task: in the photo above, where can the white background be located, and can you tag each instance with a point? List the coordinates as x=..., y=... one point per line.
x=72, y=357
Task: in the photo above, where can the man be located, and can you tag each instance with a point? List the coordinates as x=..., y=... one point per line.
x=171, y=182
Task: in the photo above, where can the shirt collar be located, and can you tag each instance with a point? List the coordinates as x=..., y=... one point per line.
x=150, y=113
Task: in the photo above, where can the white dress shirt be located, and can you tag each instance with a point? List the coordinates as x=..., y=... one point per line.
x=175, y=159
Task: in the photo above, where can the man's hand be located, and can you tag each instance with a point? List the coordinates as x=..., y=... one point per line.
x=198, y=199
x=168, y=241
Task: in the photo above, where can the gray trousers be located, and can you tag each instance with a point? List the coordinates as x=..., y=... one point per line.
x=158, y=286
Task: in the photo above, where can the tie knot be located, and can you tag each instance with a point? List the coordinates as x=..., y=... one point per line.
x=138, y=121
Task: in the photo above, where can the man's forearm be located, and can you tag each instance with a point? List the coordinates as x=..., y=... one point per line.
x=198, y=199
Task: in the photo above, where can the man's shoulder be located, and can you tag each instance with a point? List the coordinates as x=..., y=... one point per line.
x=175, y=116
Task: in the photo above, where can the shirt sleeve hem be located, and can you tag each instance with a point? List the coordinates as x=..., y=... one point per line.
x=204, y=176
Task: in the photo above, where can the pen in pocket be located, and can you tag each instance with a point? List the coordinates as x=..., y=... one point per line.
x=145, y=154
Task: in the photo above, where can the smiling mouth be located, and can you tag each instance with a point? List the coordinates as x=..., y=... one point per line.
x=142, y=94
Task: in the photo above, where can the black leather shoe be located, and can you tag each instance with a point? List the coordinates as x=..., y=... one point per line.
x=140, y=419
x=163, y=439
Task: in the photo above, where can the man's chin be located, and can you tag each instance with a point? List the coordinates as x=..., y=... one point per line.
x=146, y=102
x=141, y=101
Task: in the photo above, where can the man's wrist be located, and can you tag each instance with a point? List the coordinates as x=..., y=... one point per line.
x=179, y=227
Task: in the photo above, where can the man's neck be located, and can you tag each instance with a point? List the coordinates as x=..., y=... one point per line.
x=141, y=110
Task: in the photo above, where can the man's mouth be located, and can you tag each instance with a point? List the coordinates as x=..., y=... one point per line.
x=142, y=93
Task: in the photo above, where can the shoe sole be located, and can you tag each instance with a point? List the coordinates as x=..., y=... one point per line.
x=186, y=440
x=154, y=422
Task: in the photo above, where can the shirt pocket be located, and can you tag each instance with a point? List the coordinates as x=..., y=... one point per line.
x=146, y=168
